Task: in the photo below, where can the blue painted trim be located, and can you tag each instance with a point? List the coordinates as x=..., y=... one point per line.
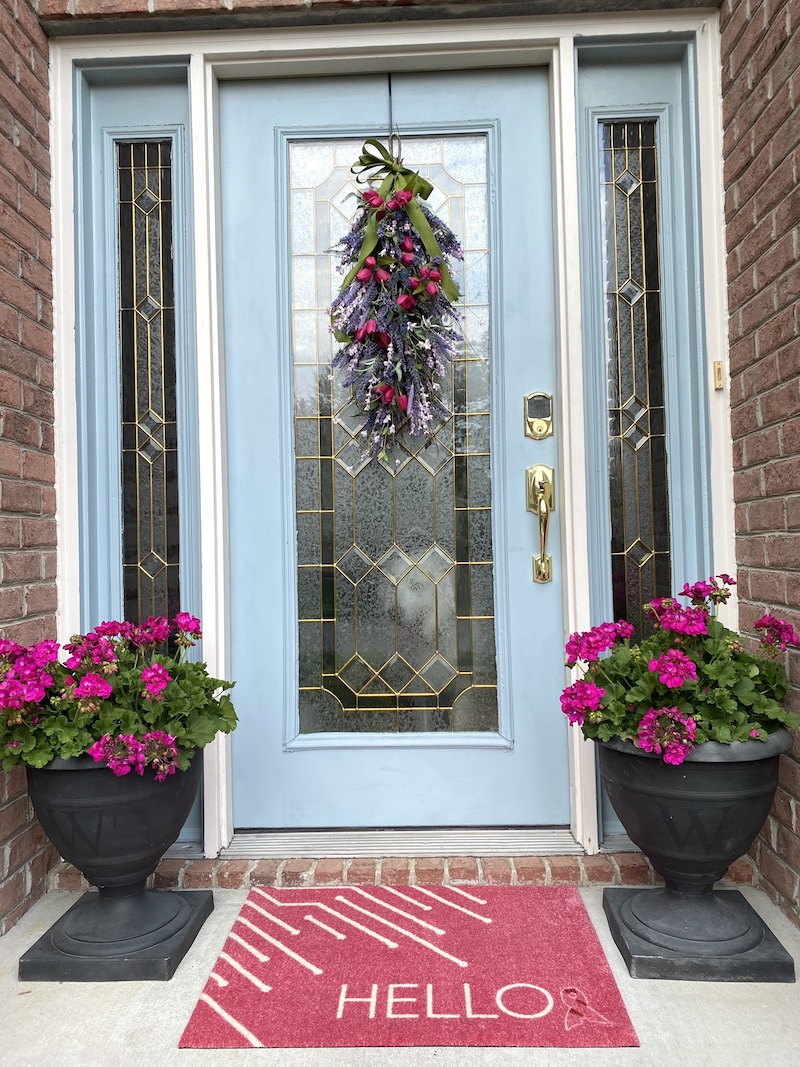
x=685, y=378
x=97, y=379
x=105, y=115
x=285, y=385
x=501, y=419
x=697, y=322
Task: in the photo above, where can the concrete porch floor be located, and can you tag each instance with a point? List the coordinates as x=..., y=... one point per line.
x=680, y=1024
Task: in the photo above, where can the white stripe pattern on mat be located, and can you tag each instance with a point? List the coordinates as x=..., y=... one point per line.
x=408, y=900
x=250, y=948
x=330, y=911
x=221, y=982
x=397, y=911
x=229, y=1019
x=272, y=918
x=450, y=904
x=405, y=933
x=464, y=893
x=245, y=973
x=280, y=945
x=317, y=922
x=359, y=926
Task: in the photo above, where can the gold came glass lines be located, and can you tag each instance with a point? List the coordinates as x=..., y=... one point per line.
x=395, y=575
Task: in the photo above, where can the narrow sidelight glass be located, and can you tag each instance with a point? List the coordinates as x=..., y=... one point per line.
x=637, y=454
x=150, y=531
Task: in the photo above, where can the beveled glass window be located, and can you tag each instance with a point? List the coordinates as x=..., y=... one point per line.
x=395, y=575
x=150, y=533
x=640, y=536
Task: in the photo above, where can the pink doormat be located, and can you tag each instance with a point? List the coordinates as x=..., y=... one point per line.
x=412, y=965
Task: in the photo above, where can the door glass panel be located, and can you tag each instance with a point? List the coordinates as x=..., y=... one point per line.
x=640, y=539
x=395, y=577
x=150, y=521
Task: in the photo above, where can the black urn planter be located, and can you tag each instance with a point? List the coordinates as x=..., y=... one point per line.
x=692, y=821
x=115, y=831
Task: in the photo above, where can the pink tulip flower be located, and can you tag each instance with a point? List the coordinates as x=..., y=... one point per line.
x=370, y=326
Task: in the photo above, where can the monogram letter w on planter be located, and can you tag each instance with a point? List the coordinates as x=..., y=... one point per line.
x=111, y=738
x=689, y=728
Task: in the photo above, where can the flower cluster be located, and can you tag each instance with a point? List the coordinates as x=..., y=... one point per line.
x=674, y=668
x=667, y=732
x=394, y=318
x=692, y=681
x=590, y=645
x=117, y=694
x=581, y=699
x=777, y=634
x=125, y=753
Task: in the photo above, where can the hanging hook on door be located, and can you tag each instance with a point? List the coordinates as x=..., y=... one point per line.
x=394, y=143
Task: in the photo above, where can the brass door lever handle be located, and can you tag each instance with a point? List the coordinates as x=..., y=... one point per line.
x=541, y=500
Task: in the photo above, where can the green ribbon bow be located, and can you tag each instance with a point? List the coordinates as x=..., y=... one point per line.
x=394, y=178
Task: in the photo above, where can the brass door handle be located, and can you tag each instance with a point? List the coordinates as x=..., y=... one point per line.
x=540, y=498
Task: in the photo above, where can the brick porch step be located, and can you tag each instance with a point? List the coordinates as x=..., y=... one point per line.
x=622, y=868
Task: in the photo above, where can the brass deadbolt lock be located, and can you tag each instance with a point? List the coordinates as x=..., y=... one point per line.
x=538, y=416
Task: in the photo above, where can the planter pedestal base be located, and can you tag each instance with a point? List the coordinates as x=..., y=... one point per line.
x=104, y=938
x=727, y=942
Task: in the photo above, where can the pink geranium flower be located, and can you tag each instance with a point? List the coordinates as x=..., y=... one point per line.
x=188, y=624
x=590, y=645
x=156, y=679
x=666, y=731
x=674, y=668
x=778, y=634
x=579, y=699
x=689, y=621
x=123, y=754
x=92, y=685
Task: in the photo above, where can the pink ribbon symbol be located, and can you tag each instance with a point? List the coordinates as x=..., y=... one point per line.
x=579, y=1011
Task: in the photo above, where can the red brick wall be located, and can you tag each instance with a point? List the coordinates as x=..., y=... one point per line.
x=761, y=109
x=27, y=495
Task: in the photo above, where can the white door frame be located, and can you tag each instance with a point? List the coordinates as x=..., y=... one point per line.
x=403, y=47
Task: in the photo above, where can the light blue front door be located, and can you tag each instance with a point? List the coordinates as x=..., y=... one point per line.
x=395, y=663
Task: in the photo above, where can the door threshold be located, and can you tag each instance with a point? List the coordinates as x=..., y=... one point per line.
x=336, y=844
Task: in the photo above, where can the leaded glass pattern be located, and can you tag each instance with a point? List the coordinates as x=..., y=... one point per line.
x=395, y=575
x=150, y=535
x=640, y=536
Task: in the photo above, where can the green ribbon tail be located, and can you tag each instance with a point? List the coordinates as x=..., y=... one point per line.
x=367, y=247
x=423, y=228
